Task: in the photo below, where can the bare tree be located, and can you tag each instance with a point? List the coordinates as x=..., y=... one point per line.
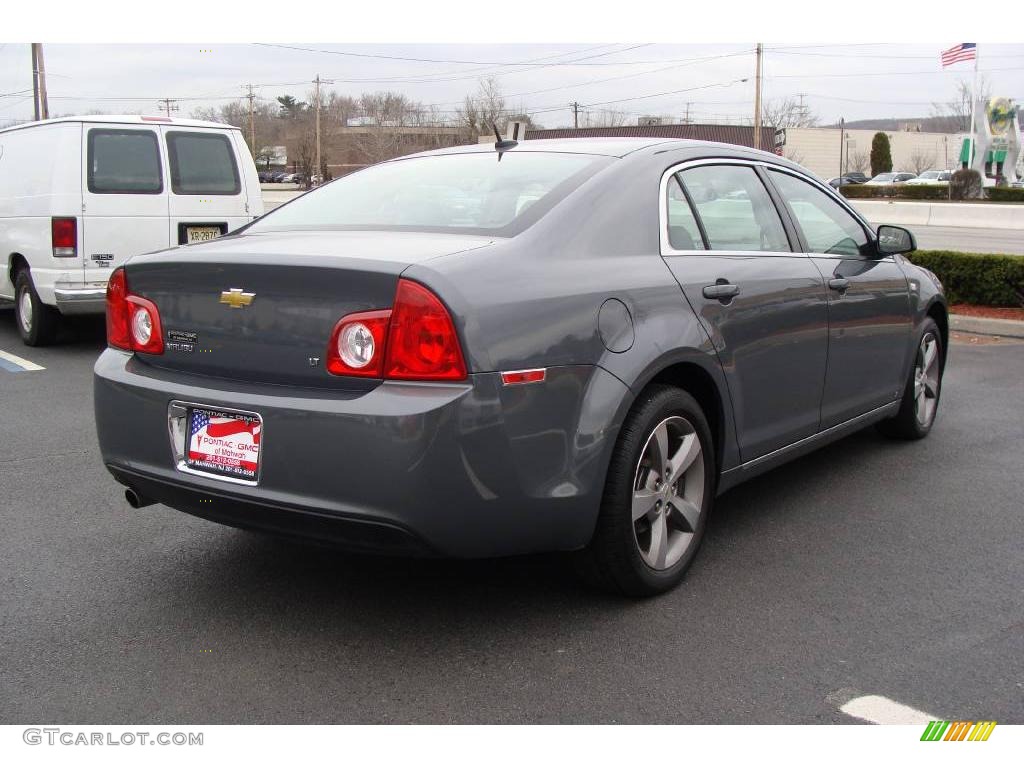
x=921, y=160
x=482, y=109
x=787, y=113
x=857, y=162
x=385, y=114
x=957, y=111
x=606, y=118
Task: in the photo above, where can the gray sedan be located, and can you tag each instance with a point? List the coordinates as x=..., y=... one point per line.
x=489, y=350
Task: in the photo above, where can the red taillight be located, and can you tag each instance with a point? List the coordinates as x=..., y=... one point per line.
x=64, y=235
x=144, y=324
x=133, y=323
x=415, y=340
x=357, y=344
x=117, y=311
x=422, y=344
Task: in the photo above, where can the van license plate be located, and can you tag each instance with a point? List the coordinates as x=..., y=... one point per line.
x=224, y=443
x=201, y=234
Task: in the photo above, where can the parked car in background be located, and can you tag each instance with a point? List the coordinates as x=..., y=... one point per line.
x=841, y=181
x=565, y=345
x=856, y=176
x=890, y=178
x=81, y=195
x=938, y=178
x=279, y=176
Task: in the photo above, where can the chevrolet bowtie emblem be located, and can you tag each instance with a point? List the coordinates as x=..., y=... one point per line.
x=236, y=298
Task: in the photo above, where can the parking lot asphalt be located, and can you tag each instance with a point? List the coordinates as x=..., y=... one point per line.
x=869, y=567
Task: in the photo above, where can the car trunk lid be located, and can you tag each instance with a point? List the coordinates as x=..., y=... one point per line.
x=261, y=308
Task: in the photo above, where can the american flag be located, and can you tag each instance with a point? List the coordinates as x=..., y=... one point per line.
x=221, y=427
x=962, y=52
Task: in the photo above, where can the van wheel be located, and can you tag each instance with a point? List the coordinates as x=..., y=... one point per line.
x=37, y=323
x=657, y=497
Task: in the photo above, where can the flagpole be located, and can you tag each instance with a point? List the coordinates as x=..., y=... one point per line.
x=971, y=142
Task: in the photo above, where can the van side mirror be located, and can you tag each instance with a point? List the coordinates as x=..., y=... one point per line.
x=893, y=239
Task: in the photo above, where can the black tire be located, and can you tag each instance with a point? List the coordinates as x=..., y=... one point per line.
x=615, y=557
x=43, y=322
x=906, y=424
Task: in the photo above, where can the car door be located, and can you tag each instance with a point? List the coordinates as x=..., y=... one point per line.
x=207, y=197
x=869, y=302
x=124, y=203
x=763, y=306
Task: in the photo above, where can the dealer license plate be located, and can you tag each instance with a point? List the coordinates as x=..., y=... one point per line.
x=224, y=443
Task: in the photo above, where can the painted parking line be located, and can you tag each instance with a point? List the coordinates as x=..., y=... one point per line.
x=883, y=711
x=15, y=364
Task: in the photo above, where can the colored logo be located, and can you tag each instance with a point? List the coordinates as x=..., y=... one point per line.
x=958, y=730
x=1001, y=112
x=236, y=298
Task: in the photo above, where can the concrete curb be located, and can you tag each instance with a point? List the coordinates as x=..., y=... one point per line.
x=987, y=326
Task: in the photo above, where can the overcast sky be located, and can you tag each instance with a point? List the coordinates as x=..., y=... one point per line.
x=854, y=81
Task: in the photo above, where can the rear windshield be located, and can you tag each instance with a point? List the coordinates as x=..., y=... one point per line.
x=202, y=164
x=474, y=193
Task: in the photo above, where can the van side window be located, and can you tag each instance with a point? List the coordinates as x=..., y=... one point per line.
x=124, y=162
x=202, y=164
x=734, y=208
x=683, y=232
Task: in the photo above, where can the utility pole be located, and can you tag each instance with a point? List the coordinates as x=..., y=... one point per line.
x=251, y=96
x=168, y=105
x=42, y=109
x=842, y=142
x=317, y=171
x=686, y=119
x=575, y=114
x=757, y=99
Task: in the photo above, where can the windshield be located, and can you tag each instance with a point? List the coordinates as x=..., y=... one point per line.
x=929, y=175
x=474, y=193
x=884, y=177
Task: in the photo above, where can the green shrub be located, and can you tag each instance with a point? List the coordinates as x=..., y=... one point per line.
x=896, y=191
x=976, y=278
x=1005, y=194
x=965, y=184
x=881, y=154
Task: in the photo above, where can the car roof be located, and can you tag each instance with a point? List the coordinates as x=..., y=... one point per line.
x=122, y=119
x=613, y=147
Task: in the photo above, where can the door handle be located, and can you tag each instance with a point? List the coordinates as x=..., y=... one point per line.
x=721, y=291
x=839, y=284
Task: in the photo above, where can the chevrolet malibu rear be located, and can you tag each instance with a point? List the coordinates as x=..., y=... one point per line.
x=322, y=373
x=552, y=346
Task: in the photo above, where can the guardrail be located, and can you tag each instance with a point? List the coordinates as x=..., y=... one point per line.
x=940, y=214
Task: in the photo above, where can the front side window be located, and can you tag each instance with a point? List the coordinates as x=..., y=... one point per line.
x=473, y=193
x=683, y=232
x=202, y=164
x=827, y=226
x=123, y=162
x=735, y=209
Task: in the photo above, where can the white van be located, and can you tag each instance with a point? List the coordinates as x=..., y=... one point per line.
x=80, y=195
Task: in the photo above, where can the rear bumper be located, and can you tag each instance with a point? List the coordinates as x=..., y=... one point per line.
x=466, y=470
x=80, y=299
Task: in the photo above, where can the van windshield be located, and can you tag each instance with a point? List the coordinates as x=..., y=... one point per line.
x=473, y=193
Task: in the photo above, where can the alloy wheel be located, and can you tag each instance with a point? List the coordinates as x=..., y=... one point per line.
x=668, y=493
x=926, y=380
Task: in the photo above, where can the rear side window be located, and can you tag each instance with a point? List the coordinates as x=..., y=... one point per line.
x=683, y=232
x=202, y=164
x=735, y=209
x=124, y=162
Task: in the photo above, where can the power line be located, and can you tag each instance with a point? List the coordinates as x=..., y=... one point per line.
x=458, y=61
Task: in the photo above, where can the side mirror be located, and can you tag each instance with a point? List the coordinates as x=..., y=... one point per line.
x=892, y=240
